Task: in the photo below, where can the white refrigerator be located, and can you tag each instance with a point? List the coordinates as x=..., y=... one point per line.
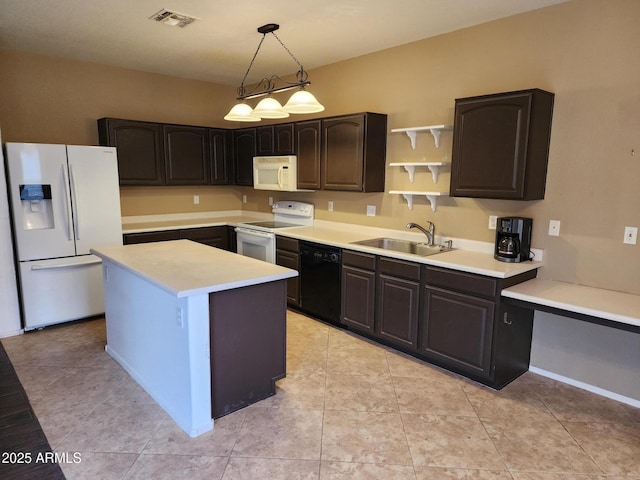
x=65, y=200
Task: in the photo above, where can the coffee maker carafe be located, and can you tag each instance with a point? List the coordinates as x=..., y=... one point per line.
x=513, y=239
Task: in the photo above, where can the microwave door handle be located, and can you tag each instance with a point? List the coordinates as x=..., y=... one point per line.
x=280, y=170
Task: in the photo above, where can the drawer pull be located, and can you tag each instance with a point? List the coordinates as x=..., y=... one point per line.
x=505, y=319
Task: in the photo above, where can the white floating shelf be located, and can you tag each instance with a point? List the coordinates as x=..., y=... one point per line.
x=431, y=196
x=434, y=129
x=410, y=167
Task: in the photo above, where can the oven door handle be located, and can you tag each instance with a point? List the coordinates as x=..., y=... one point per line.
x=256, y=233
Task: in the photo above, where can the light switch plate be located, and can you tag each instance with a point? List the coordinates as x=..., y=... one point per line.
x=554, y=228
x=493, y=220
x=244, y=199
x=196, y=199
x=630, y=235
x=371, y=210
x=330, y=206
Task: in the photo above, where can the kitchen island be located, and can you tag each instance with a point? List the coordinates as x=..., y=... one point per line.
x=202, y=330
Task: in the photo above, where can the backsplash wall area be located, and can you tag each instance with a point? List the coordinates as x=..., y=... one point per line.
x=583, y=53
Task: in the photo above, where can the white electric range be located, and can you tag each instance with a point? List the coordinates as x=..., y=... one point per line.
x=258, y=239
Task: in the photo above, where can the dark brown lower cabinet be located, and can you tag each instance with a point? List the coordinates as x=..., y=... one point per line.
x=450, y=318
x=457, y=330
x=358, y=291
x=217, y=236
x=212, y=236
x=287, y=255
x=397, y=302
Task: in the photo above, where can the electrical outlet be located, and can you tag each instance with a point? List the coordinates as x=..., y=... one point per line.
x=196, y=199
x=554, y=228
x=244, y=199
x=330, y=206
x=270, y=200
x=371, y=210
x=493, y=220
x=630, y=235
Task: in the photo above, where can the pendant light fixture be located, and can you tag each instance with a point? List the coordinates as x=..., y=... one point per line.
x=300, y=102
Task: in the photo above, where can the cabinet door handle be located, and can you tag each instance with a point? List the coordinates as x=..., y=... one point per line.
x=505, y=319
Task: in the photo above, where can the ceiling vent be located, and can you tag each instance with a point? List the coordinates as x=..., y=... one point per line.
x=173, y=19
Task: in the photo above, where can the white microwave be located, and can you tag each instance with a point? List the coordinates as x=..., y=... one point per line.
x=276, y=173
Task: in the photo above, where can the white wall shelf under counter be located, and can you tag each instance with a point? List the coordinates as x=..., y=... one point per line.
x=410, y=167
x=412, y=132
x=431, y=196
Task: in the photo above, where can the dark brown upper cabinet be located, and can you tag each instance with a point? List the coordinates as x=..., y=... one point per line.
x=275, y=139
x=140, y=149
x=353, y=152
x=283, y=139
x=264, y=140
x=501, y=145
x=186, y=154
x=307, y=146
x=245, y=148
x=221, y=156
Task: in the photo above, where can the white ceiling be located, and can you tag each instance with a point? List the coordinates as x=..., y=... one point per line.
x=220, y=44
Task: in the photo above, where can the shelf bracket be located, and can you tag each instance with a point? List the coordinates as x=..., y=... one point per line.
x=433, y=200
x=434, y=172
x=409, y=198
x=412, y=134
x=411, y=170
x=436, y=136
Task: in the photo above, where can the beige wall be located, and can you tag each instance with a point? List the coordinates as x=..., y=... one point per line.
x=584, y=53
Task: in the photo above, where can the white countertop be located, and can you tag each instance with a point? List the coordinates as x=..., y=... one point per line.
x=185, y=268
x=156, y=223
x=340, y=235
x=463, y=260
x=611, y=305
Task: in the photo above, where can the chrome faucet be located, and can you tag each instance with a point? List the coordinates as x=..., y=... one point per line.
x=429, y=233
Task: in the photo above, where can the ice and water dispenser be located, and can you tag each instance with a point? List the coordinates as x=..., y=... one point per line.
x=37, y=210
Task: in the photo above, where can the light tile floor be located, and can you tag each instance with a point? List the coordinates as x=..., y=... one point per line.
x=348, y=409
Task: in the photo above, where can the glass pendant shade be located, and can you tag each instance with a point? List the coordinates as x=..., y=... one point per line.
x=303, y=102
x=241, y=112
x=269, y=107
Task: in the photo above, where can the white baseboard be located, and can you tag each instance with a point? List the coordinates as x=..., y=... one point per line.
x=585, y=386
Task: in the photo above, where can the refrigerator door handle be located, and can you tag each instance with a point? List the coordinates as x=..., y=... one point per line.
x=74, y=202
x=65, y=265
x=68, y=203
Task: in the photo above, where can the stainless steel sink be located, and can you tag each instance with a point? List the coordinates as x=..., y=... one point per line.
x=404, y=246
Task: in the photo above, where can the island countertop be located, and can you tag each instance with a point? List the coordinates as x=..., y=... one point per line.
x=185, y=268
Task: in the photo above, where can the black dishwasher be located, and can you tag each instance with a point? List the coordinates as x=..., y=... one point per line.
x=320, y=272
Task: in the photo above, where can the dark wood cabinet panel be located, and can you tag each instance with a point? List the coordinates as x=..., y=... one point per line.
x=186, y=155
x=244, y=141
x=287, y=255
x=353, y=152
x=146, y=237
x=264, y=140
x=283, y=139
x=397, y=310
x=290, y=260
x=358, y=299
x=457, y=330
x=308, y=145
x=501, y=145
x=217, y=236
x=221, y=157
x=140, y=149
x=212, y=236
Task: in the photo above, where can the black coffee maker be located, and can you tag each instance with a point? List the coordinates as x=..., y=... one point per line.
x=513, y=239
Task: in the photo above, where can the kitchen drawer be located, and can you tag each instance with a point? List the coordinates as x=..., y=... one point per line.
x=288, y=244
x=145, y=237
x=399, y=268
x=461, y=281
x=364, y=261
x=202, y=233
